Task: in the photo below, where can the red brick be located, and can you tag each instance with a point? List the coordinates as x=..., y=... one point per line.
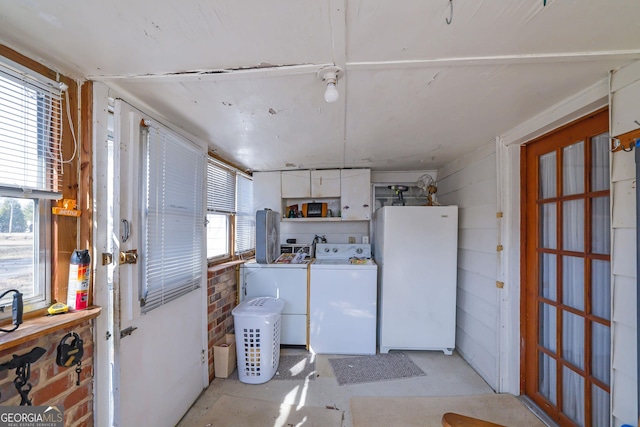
x=47, y=393
x=79, y=411
x=77, y=395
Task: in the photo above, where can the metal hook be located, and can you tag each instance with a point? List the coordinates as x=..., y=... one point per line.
x=451, y=13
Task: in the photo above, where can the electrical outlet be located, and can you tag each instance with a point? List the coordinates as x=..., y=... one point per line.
x=352, y=239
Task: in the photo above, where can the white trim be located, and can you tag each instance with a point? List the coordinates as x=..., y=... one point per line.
x=508, y=162
x=28, y=193
x=103, y=403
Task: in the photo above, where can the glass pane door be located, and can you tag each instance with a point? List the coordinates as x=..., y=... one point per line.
x=566, y=274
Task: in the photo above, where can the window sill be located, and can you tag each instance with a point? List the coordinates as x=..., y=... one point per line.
x=211, y=270
x=37, y=327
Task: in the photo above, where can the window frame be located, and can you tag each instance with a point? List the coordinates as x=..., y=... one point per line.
x=37, y=79
x=41, y=260
x=64, y=234
x=231, y=213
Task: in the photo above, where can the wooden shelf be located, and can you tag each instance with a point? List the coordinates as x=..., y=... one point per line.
x=37, y=327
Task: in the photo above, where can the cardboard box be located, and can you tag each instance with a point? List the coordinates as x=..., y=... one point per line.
x=224, y=356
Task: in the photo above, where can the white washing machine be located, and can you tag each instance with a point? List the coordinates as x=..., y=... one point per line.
x=343, y=300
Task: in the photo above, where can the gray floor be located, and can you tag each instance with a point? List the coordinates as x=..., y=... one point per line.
x=445, y=376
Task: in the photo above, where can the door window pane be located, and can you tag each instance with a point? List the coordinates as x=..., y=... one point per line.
x=548, y=327
x=548, y=225
x=573, y=282
x=547, y=378
x=548, y=175
x=548, y=276
x=601, y=288
x=573, y=225
x=573, y=396
x=573, y=169
x=600, y=162
x=600, y=351
x=573, y=339
x=600, y=409
x=600, y=226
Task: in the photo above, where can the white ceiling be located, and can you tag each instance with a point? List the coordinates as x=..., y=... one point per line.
x=417, y=92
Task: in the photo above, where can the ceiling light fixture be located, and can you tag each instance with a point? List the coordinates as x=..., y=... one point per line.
x=330, y=75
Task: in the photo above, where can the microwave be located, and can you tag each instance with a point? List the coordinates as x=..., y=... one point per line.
x=314, y=210
x=294, y=249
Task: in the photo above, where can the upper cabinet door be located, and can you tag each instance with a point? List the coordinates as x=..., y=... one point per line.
x=296, y=183
x=266, y=191
x=325, y=183
x=355, y=194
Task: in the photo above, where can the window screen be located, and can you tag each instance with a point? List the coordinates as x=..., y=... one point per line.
x=30, y=171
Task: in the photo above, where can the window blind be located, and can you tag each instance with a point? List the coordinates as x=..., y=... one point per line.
x=30, y=132
x=221, y=188
x=174, y=220
x=245, y=215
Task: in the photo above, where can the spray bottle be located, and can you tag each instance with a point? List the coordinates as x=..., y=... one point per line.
x=79, y=274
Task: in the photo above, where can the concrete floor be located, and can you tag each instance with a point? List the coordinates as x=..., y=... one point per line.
x=445, y=376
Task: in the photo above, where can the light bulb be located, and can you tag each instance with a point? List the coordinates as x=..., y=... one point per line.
x=331, y=94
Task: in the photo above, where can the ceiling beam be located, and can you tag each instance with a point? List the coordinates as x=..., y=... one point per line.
x=258, y=71
x=539, y=58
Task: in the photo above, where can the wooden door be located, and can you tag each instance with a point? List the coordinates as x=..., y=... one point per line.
x=566, y=272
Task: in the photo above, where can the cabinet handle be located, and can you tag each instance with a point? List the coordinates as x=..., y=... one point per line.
x=365, y=206
x=345, y=207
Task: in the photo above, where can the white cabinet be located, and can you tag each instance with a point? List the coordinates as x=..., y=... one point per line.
x=355, y=194
x=325, y=183
x=349, y=189
x=266, y=191
x=296, y=184
x=286, y=282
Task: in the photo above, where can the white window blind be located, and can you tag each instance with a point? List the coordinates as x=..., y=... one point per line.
x=221, y=188
x=30, y=133
x=174, y=220
x=245, y=215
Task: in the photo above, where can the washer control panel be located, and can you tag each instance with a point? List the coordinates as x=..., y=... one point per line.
x=343, y=251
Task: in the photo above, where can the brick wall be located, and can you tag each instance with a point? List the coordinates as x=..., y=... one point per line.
x=52, y=384
x=222, y=291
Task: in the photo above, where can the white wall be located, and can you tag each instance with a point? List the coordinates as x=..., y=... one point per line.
x=623, y=266
x=470, y=183
x=625, y=109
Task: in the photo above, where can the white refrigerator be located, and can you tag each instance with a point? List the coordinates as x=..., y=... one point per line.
x=416, y=249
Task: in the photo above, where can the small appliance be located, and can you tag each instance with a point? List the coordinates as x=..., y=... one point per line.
x=314, y=210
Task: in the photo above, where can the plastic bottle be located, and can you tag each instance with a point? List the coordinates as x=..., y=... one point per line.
x=79, y=275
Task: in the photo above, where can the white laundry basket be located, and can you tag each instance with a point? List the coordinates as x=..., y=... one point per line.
x=257, y=326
